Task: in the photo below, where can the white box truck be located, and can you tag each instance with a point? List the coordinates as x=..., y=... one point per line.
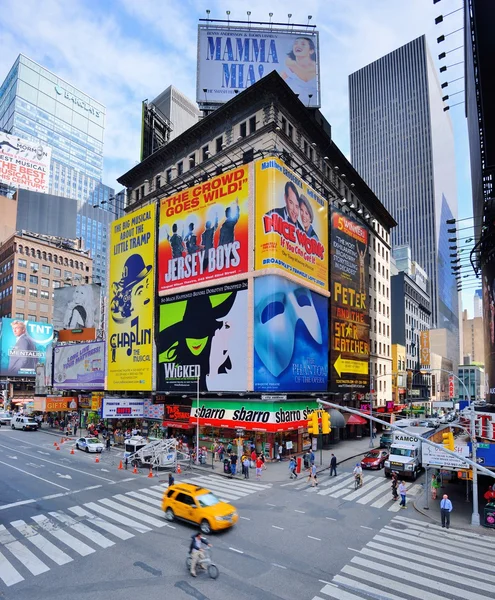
x=405, y=457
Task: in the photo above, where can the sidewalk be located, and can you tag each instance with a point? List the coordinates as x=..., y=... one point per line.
x=278, y=472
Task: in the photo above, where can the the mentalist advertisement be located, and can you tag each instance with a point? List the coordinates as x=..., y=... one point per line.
x=291, y=224
x=204, y=232
x=131, y=310
x=23, y=346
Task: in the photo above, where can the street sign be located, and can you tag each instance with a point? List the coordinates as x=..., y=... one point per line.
x=480, y=460
x=274, y=397
x=451, y=387
x=414, y=393
x=432, y=456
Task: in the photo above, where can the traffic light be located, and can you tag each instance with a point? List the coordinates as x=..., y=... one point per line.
x=313, y=428
x=448, y=441
x=326, y=426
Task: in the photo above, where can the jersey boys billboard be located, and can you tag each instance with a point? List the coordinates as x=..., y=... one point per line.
x=290, y=337
x=203, y=333
x=131, y=311
x=204, y=232
x=233, y=58
x=349, y=321
x=23, y=345
x=291, y=224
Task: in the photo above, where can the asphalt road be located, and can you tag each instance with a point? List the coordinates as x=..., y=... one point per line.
x=292, y=542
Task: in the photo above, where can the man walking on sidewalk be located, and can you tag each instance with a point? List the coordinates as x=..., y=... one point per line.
x=445, y=510
x=402, y=492
x=333, y=465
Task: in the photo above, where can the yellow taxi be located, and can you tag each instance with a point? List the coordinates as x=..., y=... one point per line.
x=198, y=505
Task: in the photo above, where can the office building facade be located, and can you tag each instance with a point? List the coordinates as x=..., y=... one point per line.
x=402, y=145
x=36, y=104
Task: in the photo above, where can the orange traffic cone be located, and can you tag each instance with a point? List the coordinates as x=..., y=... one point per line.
x=55, y=444
x=178, y=469
x=97, y=459
x=62, y=440
x=135, y=471
x=72, y=451
x=57, y=448
x=120, y=466
x=150, y=474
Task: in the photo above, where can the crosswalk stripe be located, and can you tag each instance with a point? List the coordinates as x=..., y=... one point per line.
x=101, y=523
x=447, y=555
x=140, y=505
x=8, y=574
x=428, y=560
x=451, y=535
x=151, y=492
x=424, y=581
x=338, y=593
x=23, y=554
x=346, y=483
x=368, y=485
x=423, y=525
x=432, y=539
x=399, y=586
x=82, y=529
x=239, y=484
x=380, y=490
x=221, y=490
x=117, y=517
x=145, y=498
x=133, y=513
x=53, y=552
x=363, y=587
x=69, y=540
x=304, y=482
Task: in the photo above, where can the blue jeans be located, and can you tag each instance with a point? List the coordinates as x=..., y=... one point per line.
x=402, y=500
x=232, y=469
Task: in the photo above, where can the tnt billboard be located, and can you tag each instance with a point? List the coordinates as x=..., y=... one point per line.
x=23, y=345
x=233, y=58
x=204, y=232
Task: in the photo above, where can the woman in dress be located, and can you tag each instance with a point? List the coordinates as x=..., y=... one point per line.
x=79, y=312
x=300, y=73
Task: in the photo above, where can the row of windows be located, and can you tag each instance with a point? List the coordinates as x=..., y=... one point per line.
x=19, y=315
x=378, y=347
x=41, y=306
x=74, y=264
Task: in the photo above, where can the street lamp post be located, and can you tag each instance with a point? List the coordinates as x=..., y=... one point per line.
x=197, y=416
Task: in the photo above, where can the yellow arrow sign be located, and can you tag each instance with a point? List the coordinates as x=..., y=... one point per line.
x=347, y=365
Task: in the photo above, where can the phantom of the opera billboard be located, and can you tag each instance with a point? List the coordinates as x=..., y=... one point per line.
x=202, y=334
x=131, y=301
x=24, y=164
x=79, y=366
x=231, y=59
x=291, y=224
x=76, y=308
x=349, y=312
x=23, y=345
x=204, y=232
x=290, y=337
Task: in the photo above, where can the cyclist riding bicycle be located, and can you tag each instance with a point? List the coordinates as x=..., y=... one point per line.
x=358, y=474
x=196, y=550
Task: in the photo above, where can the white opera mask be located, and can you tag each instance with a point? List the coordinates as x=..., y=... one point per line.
x=279, y=305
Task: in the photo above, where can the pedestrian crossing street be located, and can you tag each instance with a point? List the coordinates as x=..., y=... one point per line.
x=376, y=491
x=60, y=537
x=412, y=559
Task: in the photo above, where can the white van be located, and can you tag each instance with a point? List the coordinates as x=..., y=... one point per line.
x=24, y=423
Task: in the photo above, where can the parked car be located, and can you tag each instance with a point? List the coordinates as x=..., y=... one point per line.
x=429, y=423
x=374, y=459
x=199, y=506
x=24, y=423
x=386, y=438
x=89, y=444
x=5, y=418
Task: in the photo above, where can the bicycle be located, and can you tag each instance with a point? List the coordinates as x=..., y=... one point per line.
x=358, y=481
x=205, y=564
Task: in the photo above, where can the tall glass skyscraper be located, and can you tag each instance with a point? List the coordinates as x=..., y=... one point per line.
x=36, y=104
x=402, y=144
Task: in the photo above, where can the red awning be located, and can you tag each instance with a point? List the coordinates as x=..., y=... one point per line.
x=356, y=420
x=177, y=424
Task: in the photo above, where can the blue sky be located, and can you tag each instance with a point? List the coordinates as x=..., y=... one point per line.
x=124, y=51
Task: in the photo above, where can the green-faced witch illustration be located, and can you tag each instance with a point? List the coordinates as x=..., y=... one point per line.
x=187, y=329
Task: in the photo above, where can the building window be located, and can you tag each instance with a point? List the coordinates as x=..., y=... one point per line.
x=33, y=292
x=21, y=290
x=168, y=175
x=35, y=266
x=33, y=279
x=22, y=263
x=31, y=317
x=218, y=144
x=67, y=275
x=290, y=131
x=44, y=295
x=284, y=124
x=45, y=269
x=158, y=182
x=21, y=276
x=180, y=168
x=252, y=124
x=57, y=272
x=45, y=282
x=55, y=284
x=43, y=319
x=20, y=303
x=205, y=152
x=192, y=161
x=19, y=316
x=243, y=129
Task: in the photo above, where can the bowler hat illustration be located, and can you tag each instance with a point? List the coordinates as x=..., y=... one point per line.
x=133, y=272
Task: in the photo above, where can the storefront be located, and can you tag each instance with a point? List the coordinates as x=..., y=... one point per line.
x=266, y=425
x=57, y=410
x=176, y=421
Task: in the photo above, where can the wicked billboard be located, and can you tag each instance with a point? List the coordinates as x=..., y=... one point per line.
x=202, y=334
x=349, y=318
x=290, y=337
x=204, y=232
x=291, y=224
